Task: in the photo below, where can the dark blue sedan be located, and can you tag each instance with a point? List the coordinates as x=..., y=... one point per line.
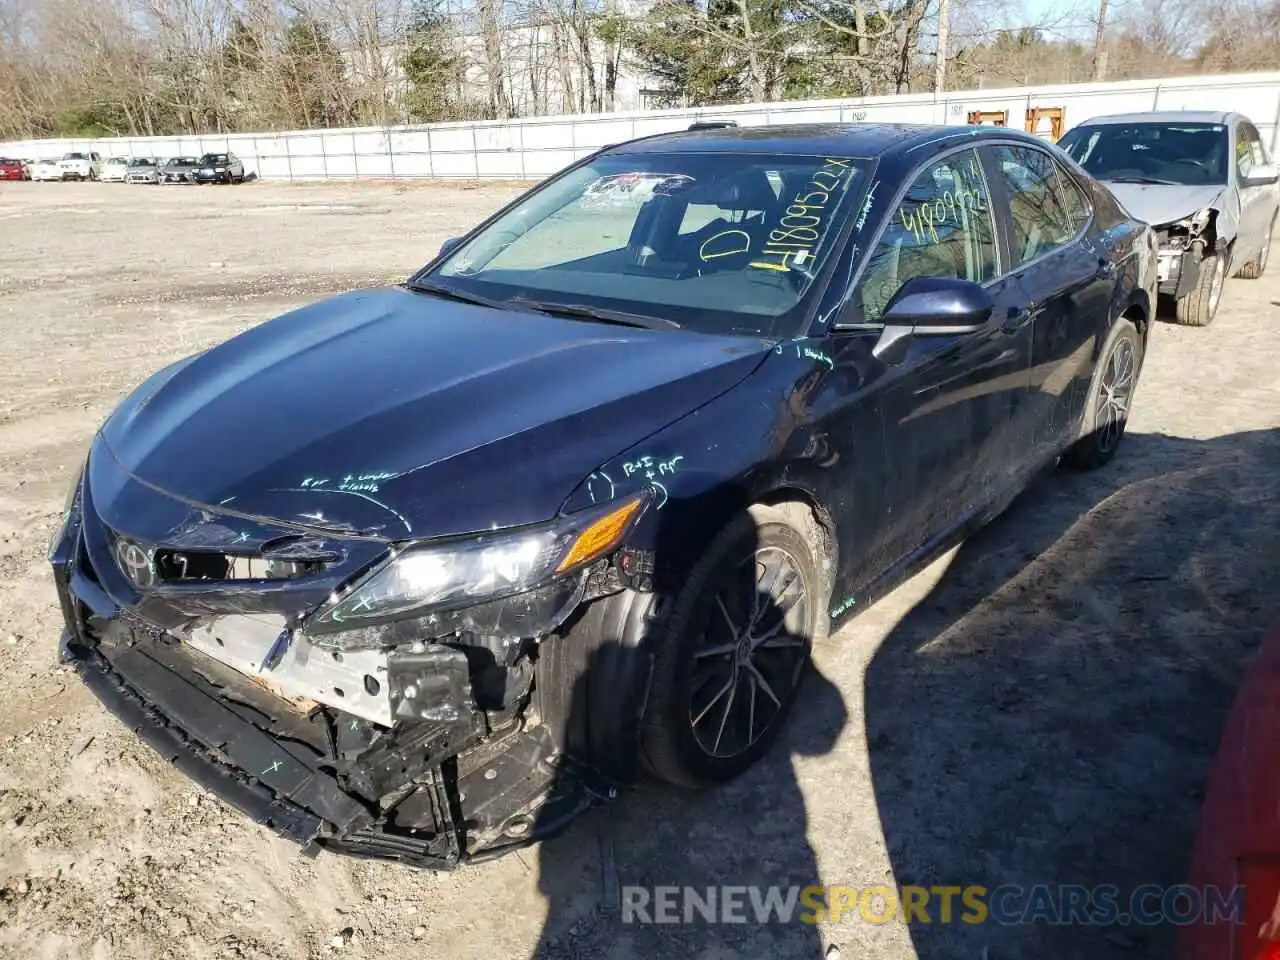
x=423, y=572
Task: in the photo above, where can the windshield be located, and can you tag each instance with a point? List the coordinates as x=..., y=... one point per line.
x=1190, y=154
x=183, y=161
x=141, y=162
x=720, y=243
x=75, y=156
x=214, y=158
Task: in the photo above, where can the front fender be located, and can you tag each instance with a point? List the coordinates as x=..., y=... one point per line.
x=751, y=444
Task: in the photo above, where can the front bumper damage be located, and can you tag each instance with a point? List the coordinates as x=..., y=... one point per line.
x=433, y=795
x=1183, y=247
x=475, y=772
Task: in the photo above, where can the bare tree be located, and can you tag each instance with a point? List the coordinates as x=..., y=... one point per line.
x=490, y=12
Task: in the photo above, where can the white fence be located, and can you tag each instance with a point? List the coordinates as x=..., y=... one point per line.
x=539, y=146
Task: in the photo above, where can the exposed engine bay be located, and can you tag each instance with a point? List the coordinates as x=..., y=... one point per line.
x=1183, y=246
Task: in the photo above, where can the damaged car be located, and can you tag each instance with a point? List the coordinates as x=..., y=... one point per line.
x=1204, y=180
x=423, y=572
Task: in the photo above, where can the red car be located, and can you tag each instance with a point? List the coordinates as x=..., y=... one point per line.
x=11, y=169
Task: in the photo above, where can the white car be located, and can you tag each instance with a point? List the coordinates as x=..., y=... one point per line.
x=113, y=170
x=80, y=166
x=45, y=170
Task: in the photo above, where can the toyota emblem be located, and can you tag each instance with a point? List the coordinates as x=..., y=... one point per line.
x=136, y=563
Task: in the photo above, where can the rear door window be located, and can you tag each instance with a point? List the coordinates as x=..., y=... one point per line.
x=1041, y=217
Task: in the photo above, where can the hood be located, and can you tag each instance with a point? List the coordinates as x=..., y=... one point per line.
x=400, y=416
x=1160, y=203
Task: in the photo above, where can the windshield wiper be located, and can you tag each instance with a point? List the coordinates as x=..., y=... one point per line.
x=1166, y=183
x=576, y=311
x=448, y=293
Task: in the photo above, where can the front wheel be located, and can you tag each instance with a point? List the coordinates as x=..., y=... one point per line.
x=1110, y=395
x=730, y=659
x=1200, y=306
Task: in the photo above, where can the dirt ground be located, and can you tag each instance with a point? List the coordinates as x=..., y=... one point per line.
x=1037, y=707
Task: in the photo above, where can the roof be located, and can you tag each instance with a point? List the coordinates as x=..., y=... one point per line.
x=1165, y=116
x=813, y=139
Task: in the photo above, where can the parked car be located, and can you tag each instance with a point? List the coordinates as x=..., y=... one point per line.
x=11, y=169
x=594, y=479
x=113, y=169
x=1204, y=180
x=220, y=168
x=142, y=170
x=45, y=170
x=80, y=166
x=179, y=170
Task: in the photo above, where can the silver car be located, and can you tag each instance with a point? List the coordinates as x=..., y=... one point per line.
x=1204, y=180
x=179, y=170
x=142, y=170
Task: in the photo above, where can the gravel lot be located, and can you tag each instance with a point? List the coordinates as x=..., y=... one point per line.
x=1038, y=707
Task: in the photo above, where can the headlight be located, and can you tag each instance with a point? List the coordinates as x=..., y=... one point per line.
x=436, y=577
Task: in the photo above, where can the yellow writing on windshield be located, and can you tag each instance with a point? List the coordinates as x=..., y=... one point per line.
x=804, y=222
x=726, y=243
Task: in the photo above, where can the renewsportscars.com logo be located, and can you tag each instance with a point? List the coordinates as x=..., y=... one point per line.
x=1104, y=905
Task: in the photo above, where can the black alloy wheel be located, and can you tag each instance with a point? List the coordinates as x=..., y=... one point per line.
x=1107, y=411
x=731, y=658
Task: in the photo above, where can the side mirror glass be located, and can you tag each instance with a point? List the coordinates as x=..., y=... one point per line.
x=1262, y=174
x=449, y=245
x=934, y=306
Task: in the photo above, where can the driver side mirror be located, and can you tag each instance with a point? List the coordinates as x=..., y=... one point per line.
x=448, y=245
x=1262, y=175
x=933, y=306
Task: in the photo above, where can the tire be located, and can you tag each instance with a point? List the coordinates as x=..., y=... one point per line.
x=1200, y=306
x=1256, y=267
x=1102, y=427
x=701, y=661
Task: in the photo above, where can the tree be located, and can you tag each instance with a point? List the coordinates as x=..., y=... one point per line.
x=431, y=64
x=691, y=65
x=314, y=71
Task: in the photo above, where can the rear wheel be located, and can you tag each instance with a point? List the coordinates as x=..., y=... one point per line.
x=1110, y=395
x=1256, y=267
x=1200, y=306
x=731, y=656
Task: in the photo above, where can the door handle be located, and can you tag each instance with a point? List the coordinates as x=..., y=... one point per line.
x=1017, y=318
x=1105, y=268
